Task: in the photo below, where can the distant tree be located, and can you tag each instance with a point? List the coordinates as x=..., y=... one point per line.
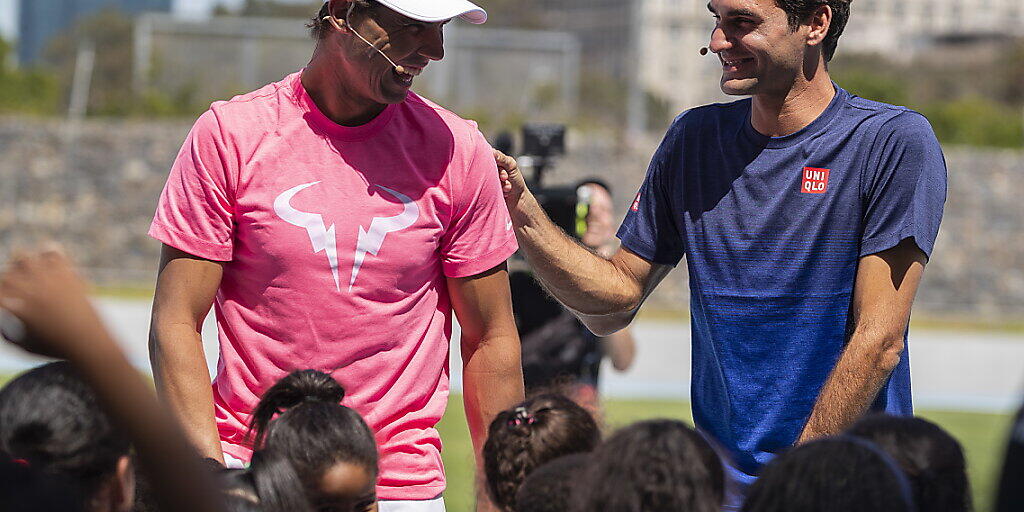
x=976, y=121
x=25, y=91
x=111, y=91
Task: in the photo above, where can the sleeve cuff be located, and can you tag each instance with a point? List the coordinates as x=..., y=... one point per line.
x=877, y=244
x=643, y=250
x=190, y=244
x=483, y=263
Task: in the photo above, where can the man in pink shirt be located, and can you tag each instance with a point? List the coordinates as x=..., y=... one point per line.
x=335, y=220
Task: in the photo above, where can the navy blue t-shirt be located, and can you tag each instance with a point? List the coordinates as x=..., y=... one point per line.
x=772, y=230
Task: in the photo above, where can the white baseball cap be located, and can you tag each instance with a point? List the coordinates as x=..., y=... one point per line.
x=437, y=10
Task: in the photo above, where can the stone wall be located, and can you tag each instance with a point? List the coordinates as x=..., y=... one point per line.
x=94, y=187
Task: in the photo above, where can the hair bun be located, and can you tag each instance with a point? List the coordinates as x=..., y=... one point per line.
x=305, y=386
x=298, y=387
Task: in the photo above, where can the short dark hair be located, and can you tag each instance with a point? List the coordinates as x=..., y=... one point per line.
x=799, y=11
x=524, y=437
x=840, y=474
x=932, y=460
x=549, y=487
x=652, y=465
x=52, y=419
x=318, y=28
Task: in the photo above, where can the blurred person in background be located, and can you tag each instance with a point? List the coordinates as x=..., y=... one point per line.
x=559, y=353
x=806, y=216
x=1011, y=484
x=336, y=220
x=932, y=460
x=842, y=474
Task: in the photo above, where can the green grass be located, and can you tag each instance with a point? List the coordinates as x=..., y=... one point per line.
x=983, y=437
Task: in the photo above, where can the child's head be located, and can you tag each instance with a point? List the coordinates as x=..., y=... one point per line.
x=842, y=474
x=930, y=458
x=549, y=487
x=534, y=432
x=50, y=420
x=270, y=484
x=652, y=465
x=330, y=447
x=24, y=490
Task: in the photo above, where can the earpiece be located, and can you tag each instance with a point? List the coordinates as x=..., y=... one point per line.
x=704, y=51
x=338, y=24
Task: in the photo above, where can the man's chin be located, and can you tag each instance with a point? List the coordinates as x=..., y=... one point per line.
x=393, y=97
x=739, y=86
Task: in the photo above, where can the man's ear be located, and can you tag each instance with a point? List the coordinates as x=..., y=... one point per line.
x=821, y=22
x=122, y=491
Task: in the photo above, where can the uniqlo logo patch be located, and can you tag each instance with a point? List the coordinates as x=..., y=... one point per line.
x=636, y=203
x=815, y=181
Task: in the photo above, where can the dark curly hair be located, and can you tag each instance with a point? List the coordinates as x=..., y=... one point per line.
x=652, y=466
x=932, y=460
x=312, y=429
x=530, y=434
x=840, y=474
x=52, y=419
x=799, y=11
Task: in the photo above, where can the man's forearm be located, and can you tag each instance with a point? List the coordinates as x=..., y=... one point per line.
x=853, y=385
x=183, y=382
x=579, y=278
x=492, y=381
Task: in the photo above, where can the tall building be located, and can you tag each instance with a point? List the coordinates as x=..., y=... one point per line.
x=654, y=44
x=901, y=27
x=41, y=20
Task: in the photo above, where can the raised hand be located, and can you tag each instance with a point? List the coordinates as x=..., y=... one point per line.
x=45, y=293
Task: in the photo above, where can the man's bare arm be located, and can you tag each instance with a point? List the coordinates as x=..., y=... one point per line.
x=185, y=289
x=604, y=293
x=492, y=374
x=882, y=297
x=620, y=349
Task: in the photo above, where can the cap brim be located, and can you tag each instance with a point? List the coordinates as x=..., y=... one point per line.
x=438, y=10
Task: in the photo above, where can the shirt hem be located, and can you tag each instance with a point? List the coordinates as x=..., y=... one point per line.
x=411, y=492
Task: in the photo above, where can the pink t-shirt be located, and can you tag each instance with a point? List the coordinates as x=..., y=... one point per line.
x=337, y=242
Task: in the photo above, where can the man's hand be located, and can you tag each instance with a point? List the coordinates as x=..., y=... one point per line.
x=45, y=293
x=604, y=293
x=513, y=184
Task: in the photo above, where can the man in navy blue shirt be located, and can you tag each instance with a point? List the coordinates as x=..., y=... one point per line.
x=806, y=216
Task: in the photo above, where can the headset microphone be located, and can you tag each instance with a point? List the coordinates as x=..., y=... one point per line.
x=335, y=22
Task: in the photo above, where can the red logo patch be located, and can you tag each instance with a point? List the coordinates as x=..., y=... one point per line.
x=636, y=203
x=815, y=181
